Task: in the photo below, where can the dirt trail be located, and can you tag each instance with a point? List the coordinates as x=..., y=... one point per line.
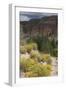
x=54, y=67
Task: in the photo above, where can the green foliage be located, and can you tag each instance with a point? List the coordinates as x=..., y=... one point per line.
x=54, y=48
x=26, y=64
x=31, y=46
x=46, y=58
x=30, y=40
x=35, y=55
x=43, y=43
x=35, y=47
x=23, y=49
x=33, y=68
x=39, y=50
x=54, y=52
x=46, y=45
x=22, y=42
x=49, y=67
x=39, y=70
x=22, y=62
x=54, y=43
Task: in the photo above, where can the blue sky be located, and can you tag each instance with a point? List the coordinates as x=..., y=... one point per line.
x=26, y=16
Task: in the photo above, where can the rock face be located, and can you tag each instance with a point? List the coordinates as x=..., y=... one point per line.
x=45, y=26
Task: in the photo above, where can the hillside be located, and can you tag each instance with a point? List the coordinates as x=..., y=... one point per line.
x=46, y=26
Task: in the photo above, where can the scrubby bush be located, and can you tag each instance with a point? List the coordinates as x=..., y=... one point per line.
x=49, y=67
x=35, y=47
x=23, y=49
x=26, y=64
x=39, y=70
x=46, y=45
x=33, y=68
x=47, y=70
x=29, y=47
x=43, y=43
x=46, y=58
x=35, y=54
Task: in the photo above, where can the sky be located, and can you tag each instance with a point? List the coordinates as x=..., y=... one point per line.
x=26, y=16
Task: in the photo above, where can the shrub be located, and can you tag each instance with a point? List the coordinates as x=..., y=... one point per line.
x=54, y=52
x=35, y=54
x=26, y=64
x=47, y=70
x=46, y=58
x=54, y=48
x=22, y=42
x=29, y=47
x=22, y=63
x=33, y=68
x=34, y=46
x=39, y=70
x=23, y=49
x=48, y=66
x=43, y=43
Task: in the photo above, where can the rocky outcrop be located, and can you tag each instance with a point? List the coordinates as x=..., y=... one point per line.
x=45, y=26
